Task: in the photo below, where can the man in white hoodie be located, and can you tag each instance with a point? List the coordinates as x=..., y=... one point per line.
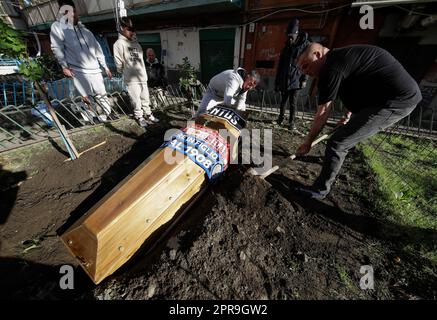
x=229, y=88
x=129, y=61
x=80, y=56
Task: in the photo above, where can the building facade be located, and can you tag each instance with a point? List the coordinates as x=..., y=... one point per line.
x=222, y=34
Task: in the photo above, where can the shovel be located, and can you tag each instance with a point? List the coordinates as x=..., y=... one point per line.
x=265, y=174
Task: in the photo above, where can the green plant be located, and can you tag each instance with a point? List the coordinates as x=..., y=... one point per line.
x=344, y=277
x=188, y=81
x=11, y=43
x=50, y=67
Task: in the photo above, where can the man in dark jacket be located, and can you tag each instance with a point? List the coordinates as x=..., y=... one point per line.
x=289, y=79
x=157, y=80
x=155, y=71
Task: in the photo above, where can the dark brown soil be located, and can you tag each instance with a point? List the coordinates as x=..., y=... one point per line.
x=243, y=239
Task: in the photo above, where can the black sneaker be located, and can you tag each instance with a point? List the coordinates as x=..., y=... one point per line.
x=153, y=119
x=278, y=121
x=291, y=127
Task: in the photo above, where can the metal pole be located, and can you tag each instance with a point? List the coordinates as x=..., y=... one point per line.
x=124, y=102
x=33, y=92
x=63, y=88
x=262, y=101
x=17, y=124
x=83, y=109
x=68, y=110
x=269, y=100
x=4, y=94
x=9, y=134
x=24, y=91
x=73, y=152
x=14, y=88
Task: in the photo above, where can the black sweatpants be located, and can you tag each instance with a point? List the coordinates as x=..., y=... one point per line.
x=293, y=95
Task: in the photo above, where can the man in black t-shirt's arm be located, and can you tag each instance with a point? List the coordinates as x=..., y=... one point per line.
x=374, y=87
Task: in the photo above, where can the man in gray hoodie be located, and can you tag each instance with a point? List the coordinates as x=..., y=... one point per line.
x=80, y=56
x=129, y=61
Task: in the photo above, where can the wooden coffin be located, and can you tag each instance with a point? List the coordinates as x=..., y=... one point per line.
x=116, y=227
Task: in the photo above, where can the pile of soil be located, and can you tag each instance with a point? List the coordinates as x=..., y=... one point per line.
x=245, y=238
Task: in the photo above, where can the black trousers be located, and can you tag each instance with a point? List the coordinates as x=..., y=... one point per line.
x=361, y=126
x=293, y=95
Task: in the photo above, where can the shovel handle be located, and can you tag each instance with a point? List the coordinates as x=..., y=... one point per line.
x=292, y=157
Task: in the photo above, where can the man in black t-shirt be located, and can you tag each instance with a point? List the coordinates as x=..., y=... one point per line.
x=373, y=86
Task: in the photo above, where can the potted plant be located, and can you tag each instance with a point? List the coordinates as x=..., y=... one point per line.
x=188, y=82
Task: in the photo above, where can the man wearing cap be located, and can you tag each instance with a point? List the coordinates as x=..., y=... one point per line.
x=375, y=89
x=289, y=79
x=80, y=56
x=155, y=70
x=156, y=77
x=229, y=88
x=129, y=61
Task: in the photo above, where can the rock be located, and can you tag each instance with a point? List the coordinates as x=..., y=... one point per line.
x=184, y=263
x=173, y=254
x=280, y=230
x=107, y=294
x=242, y=255
x=173, y=243
x=151, y=290
x=303, y=256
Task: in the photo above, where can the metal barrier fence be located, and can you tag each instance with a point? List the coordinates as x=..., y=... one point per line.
x=30, y=122
x=24, y=92
x=23, y=117
x=421, y=122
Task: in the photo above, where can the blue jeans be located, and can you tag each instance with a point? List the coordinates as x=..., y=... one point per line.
x=361, y=126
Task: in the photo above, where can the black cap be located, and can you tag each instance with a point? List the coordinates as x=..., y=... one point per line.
x=66, y=2
x=293, y=27
x=127, y=23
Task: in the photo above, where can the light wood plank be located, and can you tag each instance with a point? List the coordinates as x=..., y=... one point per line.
x=151, y=196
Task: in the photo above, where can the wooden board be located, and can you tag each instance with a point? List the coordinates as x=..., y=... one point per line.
x=116, y=227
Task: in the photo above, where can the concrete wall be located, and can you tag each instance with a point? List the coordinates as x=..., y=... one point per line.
x=178, y=44
x=181, y=43
x=265, y=39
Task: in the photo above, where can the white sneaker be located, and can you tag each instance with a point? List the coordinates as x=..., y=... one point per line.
x=153, y=119
x=102, y=118
x=142, y=122
x=85, y=117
